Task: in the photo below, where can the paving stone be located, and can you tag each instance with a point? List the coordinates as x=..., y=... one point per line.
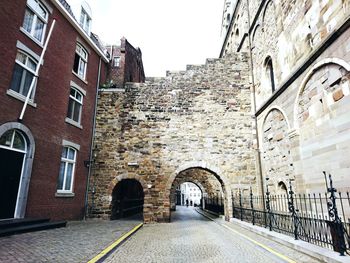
x=192, y=238
x=78, y=242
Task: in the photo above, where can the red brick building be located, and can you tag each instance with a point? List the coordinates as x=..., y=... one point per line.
x=126, y=64
x=42, y=171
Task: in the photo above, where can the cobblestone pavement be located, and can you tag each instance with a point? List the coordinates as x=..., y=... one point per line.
x=78, y=242
x=192, y=238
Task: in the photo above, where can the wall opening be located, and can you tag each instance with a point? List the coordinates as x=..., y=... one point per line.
x=198, y=187
x=127, y=199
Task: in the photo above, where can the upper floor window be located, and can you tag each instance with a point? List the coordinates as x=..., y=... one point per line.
x=35, y=20
x=66, y=174
x=85, y=20
x=116, y=62
x=75, y=105
x=23, y=74
x=270, y=73
x=80, y=61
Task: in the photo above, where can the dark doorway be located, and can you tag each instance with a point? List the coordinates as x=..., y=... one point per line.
x=127, y=199
x=11, y=163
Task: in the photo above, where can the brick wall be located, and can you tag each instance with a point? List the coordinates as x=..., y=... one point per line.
x=46, y=121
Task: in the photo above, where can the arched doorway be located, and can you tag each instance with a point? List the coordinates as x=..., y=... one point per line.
x=211, y=186
x=13, y=151
x=127, y=199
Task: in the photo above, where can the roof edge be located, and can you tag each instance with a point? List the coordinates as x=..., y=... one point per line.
x=77, y=27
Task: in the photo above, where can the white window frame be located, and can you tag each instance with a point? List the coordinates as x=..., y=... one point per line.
x=80, y=51
x=115, y=59
x=77, y=101
x=85, y=21
x=22, y=96
x=32, y=6
x=67, y=161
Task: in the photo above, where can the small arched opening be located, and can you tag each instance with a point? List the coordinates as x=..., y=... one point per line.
x=127, y=199
x=269, y=73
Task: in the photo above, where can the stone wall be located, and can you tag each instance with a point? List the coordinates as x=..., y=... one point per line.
x=205, y=180
x=302, y=126
x=198, y=118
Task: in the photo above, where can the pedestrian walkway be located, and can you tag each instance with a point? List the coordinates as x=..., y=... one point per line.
x=193, y=238
x=78, y=242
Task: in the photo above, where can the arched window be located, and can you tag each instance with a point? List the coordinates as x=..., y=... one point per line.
x=80, y=61
x=13, y=140
x=23, y=74
x=35, y=20
x=269, y=73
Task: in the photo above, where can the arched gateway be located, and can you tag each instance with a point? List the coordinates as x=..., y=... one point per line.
x=192, y=124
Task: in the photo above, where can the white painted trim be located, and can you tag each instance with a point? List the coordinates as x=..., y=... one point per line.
x=76, y=86
x=48, y=7
x=70, y=144
x=23, y=187
x=74, y=123
x=81, y=32
x=79, y=77
x=20, y=97
x=64, y=194
x=31, y=37
x=307, y=77
x=26, y=49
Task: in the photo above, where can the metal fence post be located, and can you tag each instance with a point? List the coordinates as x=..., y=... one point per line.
x=252, y=206
x=336, y=225
x=268, y=207
x=240, y=204
x=233, y=206
x=291, y=209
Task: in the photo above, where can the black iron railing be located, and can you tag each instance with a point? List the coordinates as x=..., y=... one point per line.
x=321, y=219
x=214, y=204
x=127, y=207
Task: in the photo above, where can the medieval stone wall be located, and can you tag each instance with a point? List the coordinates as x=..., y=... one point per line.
x=198, y=118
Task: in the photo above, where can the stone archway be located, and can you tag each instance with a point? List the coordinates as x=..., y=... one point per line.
x=127, y=199
x=213, y=184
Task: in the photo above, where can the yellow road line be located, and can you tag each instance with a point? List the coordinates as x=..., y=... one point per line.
x=114, y=244
x=287, y=259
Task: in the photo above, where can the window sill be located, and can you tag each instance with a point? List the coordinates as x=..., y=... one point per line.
x=20, y=97
x=79, y=77
x=74, y=123
x=58, y=194
x=31, y=37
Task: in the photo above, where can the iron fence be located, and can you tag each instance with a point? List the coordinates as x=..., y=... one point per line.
x=127, y=207
x=214, y=204
x=319, y=218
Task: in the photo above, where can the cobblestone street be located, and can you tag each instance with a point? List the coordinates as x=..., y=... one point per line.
x=78, y=242
x=193, y=238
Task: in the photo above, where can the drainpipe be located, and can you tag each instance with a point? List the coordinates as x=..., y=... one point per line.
x=254, y=106
x=92, y=144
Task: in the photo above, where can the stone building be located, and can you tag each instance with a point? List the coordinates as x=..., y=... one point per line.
x=273, y=106
x=299, y=55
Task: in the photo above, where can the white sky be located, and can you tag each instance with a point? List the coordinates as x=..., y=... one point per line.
x=170, y=33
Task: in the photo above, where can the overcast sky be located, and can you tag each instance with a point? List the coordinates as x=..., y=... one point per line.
x=170, y=33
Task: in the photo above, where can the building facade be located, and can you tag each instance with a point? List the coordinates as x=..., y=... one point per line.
x=126, y=64
x=46, y=145
x=299, y=56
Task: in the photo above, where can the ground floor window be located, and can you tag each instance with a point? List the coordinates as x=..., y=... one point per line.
x=66, y=174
